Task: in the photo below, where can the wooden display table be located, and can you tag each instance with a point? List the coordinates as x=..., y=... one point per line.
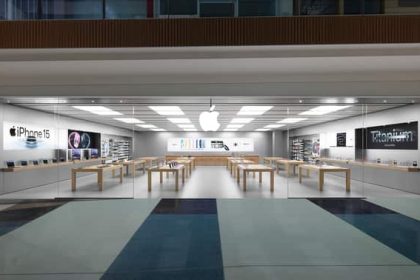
x=188, y=163
x=229, y=162
x=49, y=165
x=254, y=168
x=132, y=164
x=167, y=169
x=99, y=170
x=192, y=159
x=149, y=160
x=235, y=162
x=271, y=160
x=373, y=165
x=322, y=169
x=288, y=164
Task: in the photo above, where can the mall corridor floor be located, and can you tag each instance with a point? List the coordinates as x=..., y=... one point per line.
x=317, y=238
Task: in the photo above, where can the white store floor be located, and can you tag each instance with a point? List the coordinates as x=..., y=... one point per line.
x=207, y=182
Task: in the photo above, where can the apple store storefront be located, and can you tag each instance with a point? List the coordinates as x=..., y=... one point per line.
x=224, y=147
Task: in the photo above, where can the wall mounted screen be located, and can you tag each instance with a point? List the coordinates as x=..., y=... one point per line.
x=401, y=136
x=24, y=136
x=210, y=145
x=83, y=140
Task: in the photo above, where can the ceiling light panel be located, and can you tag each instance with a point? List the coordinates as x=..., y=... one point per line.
x=158, y=129
x=98, y=110
x=274, y=125
x=167, y=110
x=292, y=120
x=254, y=110
x=179, y=120
x=323, y=110
x=128, y=120
x=146, y=126
x=262, y=129
x=234, y=126
x=242, y=120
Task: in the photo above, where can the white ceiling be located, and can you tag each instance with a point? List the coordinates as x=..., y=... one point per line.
x=192, y=111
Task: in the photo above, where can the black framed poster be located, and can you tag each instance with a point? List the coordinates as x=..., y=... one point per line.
x=341, y=139
x=401, y=136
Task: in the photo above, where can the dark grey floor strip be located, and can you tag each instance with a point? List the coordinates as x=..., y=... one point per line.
x=397, y=231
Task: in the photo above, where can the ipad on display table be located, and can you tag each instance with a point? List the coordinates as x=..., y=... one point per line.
x=24, y=163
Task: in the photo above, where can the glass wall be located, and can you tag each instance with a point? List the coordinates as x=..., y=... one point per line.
x=139, y=9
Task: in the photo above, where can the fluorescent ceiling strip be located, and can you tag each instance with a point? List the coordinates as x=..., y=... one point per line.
x=158, y=129
x=167, y=110
x=323, y=110
x=274, y=125
x=128, y=120
x=98, y=110
x=253, y=110
x=230, y=129
x=186, y=126
x=179, y=120
x=230, y=126
x=242, y=120
x=292, y=120
x=262, y=129
x=147, y=126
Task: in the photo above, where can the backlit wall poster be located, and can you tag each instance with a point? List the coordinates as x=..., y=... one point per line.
x=24, y=136
x=401, y=136
x=83, y=140
x=210, y=145
x=341, y=139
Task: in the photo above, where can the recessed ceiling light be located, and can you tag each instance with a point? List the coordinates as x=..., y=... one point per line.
x=158, y=129
x=179, y=120
x=190, y=129
x=262, y=129
x=146, y=126
x=292, y=120
x=230, y=126
x=254, y=110
x=98, y=110
x=242, y=120
x=167, y=110
x=186, y=126
x=230, y=129
x=274, y=125
x=323, y=110
x=128, y=120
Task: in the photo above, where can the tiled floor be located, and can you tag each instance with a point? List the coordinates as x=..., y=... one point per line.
x=250, y=238
x=207, y=182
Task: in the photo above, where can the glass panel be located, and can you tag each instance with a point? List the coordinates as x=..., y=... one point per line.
x=72, y=9
x=178, y=7
x=218, y=8
x=28, y=150
x=97, y=141
x=362, y=6
x=20, y=9
x=3, y=9
x=257, y=7
x=319, y=7
x=133, y=9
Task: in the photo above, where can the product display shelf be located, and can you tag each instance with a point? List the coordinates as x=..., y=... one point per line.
x=120, y=149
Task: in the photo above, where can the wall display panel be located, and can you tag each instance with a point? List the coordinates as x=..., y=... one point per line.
x=341, y=139
x=210, y=145
x=402, y=136
x=83, y=140
x=25, y=136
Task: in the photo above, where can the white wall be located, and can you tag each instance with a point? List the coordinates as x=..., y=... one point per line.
x=155, y=143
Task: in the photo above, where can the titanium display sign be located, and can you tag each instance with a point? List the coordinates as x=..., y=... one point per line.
x=402, y=136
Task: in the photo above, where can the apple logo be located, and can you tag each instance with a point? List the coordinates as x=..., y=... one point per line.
x=208, y=121
x=13, y=131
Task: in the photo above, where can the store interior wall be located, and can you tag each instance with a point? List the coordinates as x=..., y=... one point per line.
x=155, y=143
x=327, y=131
x=280, y=143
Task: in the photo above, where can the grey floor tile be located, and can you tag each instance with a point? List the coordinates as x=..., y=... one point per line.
x=294, y=232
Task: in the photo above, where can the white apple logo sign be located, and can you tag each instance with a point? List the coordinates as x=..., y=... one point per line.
x=208, y=121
